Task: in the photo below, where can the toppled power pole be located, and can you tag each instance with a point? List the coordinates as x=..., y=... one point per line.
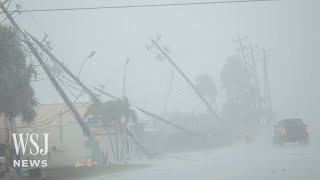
x=49, y=73
x=255, y=79
x=165, y=55
x=267, y=95
x=95, y=99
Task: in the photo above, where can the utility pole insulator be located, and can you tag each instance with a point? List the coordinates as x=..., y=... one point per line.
x=49, y=73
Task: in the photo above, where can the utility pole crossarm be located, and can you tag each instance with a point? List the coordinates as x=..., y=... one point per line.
x=49, y=73
x=77, y=80
x=245, y=64
x=94, y=98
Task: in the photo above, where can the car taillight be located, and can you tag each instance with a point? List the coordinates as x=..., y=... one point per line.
x=306, y=129
x=283, y=130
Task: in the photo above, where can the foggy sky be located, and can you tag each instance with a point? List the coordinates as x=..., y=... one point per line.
x=200, y=38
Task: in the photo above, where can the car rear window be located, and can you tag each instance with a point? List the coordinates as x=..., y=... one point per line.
x=292, y=122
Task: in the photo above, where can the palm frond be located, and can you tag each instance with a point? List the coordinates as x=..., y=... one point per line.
x=17, y=96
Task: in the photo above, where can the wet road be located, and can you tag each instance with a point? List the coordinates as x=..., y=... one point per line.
x=259, y=161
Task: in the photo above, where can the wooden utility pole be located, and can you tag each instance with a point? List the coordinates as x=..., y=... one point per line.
x=255, y=78
x=95, y=99
x=250, y=69
x=268, y=102
x=147, y=152
x=245, y=64
x=8, y=143
x=60, y=127
x=78, y=81
x=163, y=52
x=49, y=73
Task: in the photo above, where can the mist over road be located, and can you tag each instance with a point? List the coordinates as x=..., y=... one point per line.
x=256, y=161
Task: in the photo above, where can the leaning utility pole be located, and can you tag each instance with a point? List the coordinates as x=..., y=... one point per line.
x=95, y=99
x=49, y=73
x=268, y=102
x=93, y=95
x=163, y=52
x=245, y=64
x=60, y=128
x=255, y=78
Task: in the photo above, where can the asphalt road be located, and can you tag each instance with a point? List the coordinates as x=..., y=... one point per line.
x=256, y=161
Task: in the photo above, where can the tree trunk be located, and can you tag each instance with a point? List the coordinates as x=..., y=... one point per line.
x=8, y=143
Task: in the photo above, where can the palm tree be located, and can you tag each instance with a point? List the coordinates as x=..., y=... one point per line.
x=112, y=113
x=207, y=87
x=239, y=109
x=17, y=96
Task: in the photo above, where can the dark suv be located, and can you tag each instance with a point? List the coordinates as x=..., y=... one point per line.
x=291, y=130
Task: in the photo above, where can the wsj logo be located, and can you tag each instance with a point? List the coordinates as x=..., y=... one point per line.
x=21, y=143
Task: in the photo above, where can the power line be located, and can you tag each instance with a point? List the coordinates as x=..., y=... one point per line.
x=75, y=96
x=143, y=6
x=65, y=84
x=9, y=3
x=40, y=79
x=47, y=70
x=33, y=124
x=2, y=22
x=162, y=51
x=44, y=114
x=71, y=81
x=44, y=121
x=62, y=78
x=32, y=17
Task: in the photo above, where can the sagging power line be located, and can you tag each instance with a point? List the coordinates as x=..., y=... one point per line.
x=144, y=6
x=48, y=72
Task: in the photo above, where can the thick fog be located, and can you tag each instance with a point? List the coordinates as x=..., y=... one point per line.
x=200, y=39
